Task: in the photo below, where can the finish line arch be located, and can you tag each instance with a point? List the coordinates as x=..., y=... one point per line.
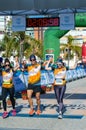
x=53, y=34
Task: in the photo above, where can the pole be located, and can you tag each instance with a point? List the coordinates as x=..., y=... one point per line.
x=69, y=57
x=21, y=51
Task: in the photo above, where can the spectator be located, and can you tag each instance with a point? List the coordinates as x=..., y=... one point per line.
x=1, y=68
x=24, y=65
x=16, y=63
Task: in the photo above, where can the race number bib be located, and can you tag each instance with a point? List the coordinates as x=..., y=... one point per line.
x=59, y=82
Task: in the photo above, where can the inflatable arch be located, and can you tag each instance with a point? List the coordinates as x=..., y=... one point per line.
x=53, y=34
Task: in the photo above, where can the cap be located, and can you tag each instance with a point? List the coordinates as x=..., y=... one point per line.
x=7, y=60
x=60, y=60
x=32, y=57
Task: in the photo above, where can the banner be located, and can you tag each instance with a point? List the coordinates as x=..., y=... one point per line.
x=67, y=21
x=18, y=23
x=50, y=77
x=44, y=80
x=20, y=79
x=19, y=83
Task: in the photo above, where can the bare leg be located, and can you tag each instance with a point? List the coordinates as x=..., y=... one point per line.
x=29, y=95
x=38, y=100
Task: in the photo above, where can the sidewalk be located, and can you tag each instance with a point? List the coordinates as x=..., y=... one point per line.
x=74, y=113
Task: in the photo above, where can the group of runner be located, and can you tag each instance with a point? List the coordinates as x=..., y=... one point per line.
x=34, y=70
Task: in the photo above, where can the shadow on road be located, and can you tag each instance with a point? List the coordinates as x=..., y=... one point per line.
x=67, y=96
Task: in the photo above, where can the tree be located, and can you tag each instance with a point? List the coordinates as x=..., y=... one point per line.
x=21, y=43
x=70, y=49
x=8, y=45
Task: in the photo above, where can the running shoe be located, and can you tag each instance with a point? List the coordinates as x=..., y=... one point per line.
x=5, y=114
x=31, y=112
x=13, y=112
x=60, y=115
x=38, y=112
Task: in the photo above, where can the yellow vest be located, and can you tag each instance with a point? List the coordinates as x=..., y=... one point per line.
x=34, y=76
x=7, y=79
x=59, y=81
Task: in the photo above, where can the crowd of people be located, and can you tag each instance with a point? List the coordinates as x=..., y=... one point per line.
x=7, y=69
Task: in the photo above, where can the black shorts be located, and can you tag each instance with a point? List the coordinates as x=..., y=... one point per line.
x=35, y=88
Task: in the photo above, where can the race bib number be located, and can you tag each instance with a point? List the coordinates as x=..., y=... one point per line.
x=59, y=82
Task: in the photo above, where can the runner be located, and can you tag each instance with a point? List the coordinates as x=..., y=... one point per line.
x=59, y=84
x=7, y=88
x=34, y=78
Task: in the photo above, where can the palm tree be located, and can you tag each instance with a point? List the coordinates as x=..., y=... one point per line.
x=70, y=49
x=21, y=43
x=7, y=44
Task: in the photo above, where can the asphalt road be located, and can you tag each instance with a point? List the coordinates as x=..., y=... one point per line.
x=74, y=117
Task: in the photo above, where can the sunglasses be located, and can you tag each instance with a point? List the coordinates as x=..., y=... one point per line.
x=59, y=64
x=32, y=60
x=7, y=65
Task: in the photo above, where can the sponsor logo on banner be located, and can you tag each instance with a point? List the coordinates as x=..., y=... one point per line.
x=48, y=56
x=18, y=23
x=67, y=21
x=49, y=51
x=50, y=77
x=44, y=80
